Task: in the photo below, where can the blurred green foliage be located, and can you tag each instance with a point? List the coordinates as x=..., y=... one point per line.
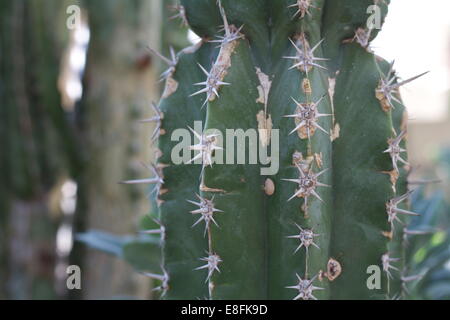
x=429, y=254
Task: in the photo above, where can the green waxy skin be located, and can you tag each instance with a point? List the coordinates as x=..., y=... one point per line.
x=255, y=248
x=182, y=243
x=237, y=109
x=360, y=187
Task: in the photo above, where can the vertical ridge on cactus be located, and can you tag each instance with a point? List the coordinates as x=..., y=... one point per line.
x=296, y=67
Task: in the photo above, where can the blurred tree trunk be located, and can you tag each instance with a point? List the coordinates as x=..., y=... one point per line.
x=37, y=147
x=119, y=84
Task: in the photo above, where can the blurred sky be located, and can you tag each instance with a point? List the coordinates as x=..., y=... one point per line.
x=417, y=36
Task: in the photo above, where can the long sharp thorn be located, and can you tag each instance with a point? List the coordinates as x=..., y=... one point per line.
x=315, y=194
x=142, y=181
x=160, y=56
x=409, y=80
x=317, y=45
x=410, y=213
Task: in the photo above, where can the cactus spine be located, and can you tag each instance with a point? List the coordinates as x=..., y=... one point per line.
x=337, y=203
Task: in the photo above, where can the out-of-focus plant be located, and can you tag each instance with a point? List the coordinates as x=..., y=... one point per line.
x=140, y=251
x=428, y=245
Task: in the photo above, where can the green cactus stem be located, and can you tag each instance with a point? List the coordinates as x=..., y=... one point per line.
x=299, y=76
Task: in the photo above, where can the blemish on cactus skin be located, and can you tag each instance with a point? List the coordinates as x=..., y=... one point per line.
x=335, y=132
x=170, y=88
x=218, y=72
x=331, y=86
x=204, y=188
x=269, y=187
x=334, y=269
x=264, y=87
x=299, y=161
x=318, y=159
x=264, y=127
x=393, y=176
x=404, y=124
x=388, y=234
x=306, y=86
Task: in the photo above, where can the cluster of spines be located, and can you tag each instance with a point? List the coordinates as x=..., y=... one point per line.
x=206, y=210
x=306, y=117
x=208, y=144
x=157, y=170
x=387, y=92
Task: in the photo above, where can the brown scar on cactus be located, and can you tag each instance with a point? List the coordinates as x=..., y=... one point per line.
x=231, y=32
x=264, y=87
x=299, y=160
x=334, y=270
x=388, y=234
x=219, y=70
x=306, y=86
x=335, y=132
x=269, y=187
x=212, y=85
x=331, y=90
x=393, y=176
x=264, y=120
x=170, y=87
x=204, y=188
x=264, y=127
x=318, y=159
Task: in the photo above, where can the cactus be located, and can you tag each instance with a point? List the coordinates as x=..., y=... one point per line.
x=300, y=73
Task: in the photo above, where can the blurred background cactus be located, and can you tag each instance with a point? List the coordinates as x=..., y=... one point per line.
x=76, y=87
